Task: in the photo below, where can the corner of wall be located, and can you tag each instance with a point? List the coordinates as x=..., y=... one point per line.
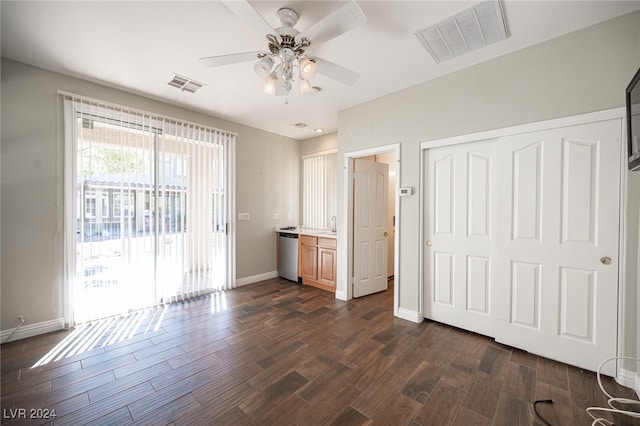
x=256, y=278
x=409, y=315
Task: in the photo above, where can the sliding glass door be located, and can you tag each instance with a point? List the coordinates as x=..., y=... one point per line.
x=150, y=198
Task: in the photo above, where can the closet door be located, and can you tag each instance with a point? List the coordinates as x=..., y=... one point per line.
x=556, y=286
x=460, y=235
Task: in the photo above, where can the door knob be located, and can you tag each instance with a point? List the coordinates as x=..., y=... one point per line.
x=386, y=234
x=429, y=243
x=606, y=260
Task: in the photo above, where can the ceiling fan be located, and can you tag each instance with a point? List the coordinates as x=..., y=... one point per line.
x=286, y=61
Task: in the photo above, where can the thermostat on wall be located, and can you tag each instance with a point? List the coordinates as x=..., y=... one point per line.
x=406, y=191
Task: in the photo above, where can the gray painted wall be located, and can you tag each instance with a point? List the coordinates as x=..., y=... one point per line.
x=319, y=144
x=267, y=182
x=582, y=72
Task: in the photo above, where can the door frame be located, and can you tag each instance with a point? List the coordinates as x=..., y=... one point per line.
x=344, y=289
x=605, y=115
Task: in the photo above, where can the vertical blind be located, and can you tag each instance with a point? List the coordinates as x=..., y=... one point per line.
x=147, y=202
x=319, y=190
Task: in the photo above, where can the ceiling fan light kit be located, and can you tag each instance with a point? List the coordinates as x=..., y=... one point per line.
x=286, y=63
x=286, y=68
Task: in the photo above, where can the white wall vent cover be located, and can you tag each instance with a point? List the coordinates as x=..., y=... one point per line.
x=184, y=83
x=471, y=29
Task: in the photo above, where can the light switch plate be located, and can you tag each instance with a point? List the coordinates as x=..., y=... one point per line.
x=244, y=216
x=275, y=216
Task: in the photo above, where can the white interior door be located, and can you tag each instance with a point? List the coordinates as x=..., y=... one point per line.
x=371, y=183
x=557, y=265
x=460, y=236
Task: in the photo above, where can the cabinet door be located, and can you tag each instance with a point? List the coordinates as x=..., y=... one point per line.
x=327, y=266
x=309, y=262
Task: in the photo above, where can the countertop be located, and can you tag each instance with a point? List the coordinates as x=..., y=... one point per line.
x=318, y=232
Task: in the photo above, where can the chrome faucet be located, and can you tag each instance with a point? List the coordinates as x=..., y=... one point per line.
x=333, y=224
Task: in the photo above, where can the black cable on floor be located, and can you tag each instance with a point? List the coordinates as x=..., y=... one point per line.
x=535, y=408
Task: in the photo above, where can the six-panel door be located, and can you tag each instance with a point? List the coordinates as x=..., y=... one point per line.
x=559, y=214
x=521, y=240
x=460, y=239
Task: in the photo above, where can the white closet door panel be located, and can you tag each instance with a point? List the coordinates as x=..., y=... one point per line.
x=460, y=222
x=577, y=304
x=443, y=278
x=526, y=209
x=444, y=192
x=559, y=203
x=525, y=294
x=478, y=195
x=478, y=284
x=579, y=190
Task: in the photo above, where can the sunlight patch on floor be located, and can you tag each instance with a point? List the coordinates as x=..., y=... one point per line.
x=109, y=331
x=104, y=333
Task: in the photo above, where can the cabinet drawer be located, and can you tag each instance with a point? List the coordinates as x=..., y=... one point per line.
x=327, y=242
x=308, y=240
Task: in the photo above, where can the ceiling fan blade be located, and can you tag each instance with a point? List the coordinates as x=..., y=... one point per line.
x=345, y=19
x=336, y=72
x=243, y=10
x=234, y=58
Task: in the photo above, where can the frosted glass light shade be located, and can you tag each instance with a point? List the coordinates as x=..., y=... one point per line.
x=308, y=68
x=263, y=67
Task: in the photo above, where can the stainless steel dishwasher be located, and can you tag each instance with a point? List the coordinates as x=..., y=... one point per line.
x=288, y=257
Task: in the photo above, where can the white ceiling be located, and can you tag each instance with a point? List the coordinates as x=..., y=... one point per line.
x=137, y=46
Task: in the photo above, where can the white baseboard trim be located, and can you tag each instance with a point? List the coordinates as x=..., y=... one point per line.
x=627, y=378
x=256, y=278
x=409, y=315
x=32, y=330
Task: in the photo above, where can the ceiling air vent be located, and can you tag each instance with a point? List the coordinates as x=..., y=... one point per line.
x=301, y=125
x=471, y=29
x=184, y=83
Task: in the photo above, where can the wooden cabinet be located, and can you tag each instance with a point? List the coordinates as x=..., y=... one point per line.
x=308, y=261
x=327, y=266
x=317, y=262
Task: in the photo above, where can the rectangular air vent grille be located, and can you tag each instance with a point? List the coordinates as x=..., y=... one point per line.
x=471, y=29
x=184, y=83
x=301, y=125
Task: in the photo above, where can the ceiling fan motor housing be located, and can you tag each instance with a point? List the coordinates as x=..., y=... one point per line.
x=288, y=19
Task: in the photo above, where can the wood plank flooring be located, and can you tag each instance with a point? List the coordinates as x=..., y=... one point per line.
x=278, y=353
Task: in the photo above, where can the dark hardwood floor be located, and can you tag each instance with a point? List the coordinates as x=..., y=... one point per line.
x=277, y=353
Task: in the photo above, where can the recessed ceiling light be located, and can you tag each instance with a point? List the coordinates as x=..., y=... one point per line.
x=318, y=130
